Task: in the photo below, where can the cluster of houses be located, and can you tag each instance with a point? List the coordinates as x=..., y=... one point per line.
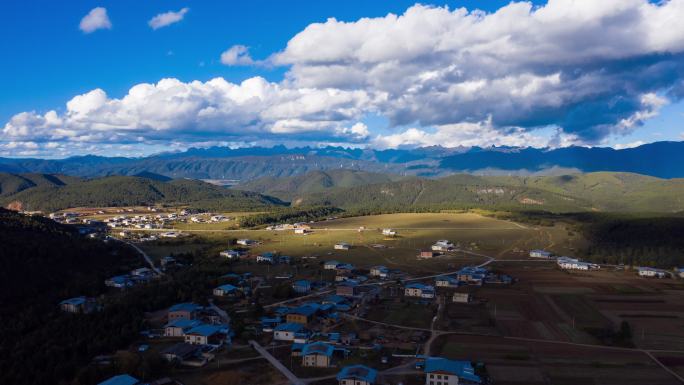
x=297, y=324
x=466, y=276
x=136, y=277
x=437, y=370
x=160, y=221
x=201, y=329
x=568, y=263
x=440, y=247
x=565, y=263
x=298, y=228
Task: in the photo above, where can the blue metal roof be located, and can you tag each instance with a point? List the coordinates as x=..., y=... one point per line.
x=122, y=379
x=462, y=369
x=336, y=299
x=302, y=282
x=318, y=348
x=360, y=372
x=306, y=310
x=74, y=301
x=185, y=306
x=420, y=286
x=182, y=323
x=289, y=327
x=206, y=330
x=227, y=287
x=271, y=320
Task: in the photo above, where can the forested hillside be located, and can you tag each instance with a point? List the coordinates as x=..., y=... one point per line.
x=14, y=183
x=289, y=188
x=43, y=263
x=131, y=191
x=603, y=191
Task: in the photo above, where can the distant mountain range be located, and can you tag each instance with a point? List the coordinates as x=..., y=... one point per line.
x=660, y=159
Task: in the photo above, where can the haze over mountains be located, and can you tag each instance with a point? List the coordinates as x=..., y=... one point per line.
x=660, y=159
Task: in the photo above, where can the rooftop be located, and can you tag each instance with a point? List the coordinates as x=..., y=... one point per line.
x=182, y=323
x=289, y=327
x=185, y=306
x=462, y=369
x=74, y=301
x=122, y=379
x=227, y=287
x=206, y=330
x=360, y=372
x=318, y=348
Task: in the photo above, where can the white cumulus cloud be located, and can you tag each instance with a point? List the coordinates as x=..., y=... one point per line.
x=95, y=19
x=588, y=70
x=167, y=18
x=237, y=55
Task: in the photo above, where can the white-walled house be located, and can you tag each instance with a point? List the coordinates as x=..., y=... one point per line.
x=230, y=254
x=419, y=290
x=442, y=245
x=287, y=331
x=449, y=372
x=540, y=254
x=653, y=272
x=575, y=264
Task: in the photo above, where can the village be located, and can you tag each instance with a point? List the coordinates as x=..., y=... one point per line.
x=337, y=321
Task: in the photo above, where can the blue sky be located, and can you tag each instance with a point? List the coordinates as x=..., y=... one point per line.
x=49, y=61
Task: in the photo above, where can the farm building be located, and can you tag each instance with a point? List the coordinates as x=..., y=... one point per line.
x=228, y=290
x=426, y=254
x=449, y=372
x=419, y=290
x=575, y=264
x=348, y=288
x=388, y=232
x=302, y=230
x=446, y=281
x=267, y=257
x=330, y=265
x=230, y=254
x=183, y=311
x=379, y=271
x=302, y=286
x=181, y=352
x=82, y=305
x=215, y=335
x=462, y=298
x=472, y=275
x=653, y=272
x=301, y=315
x=287, y=331
x=540, y=254
x=442, y=245
x=246, y=242
x=357, y=375
x=342, y=246
x=317, y=354
x=178, y=327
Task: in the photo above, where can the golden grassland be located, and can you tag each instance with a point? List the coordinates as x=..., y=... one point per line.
x=415, y=231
